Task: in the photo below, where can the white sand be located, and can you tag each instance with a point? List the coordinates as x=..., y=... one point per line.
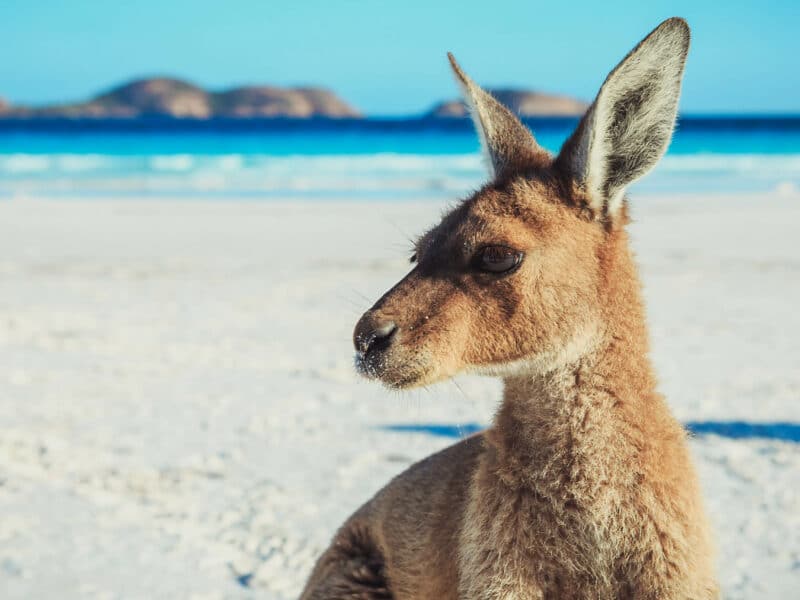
x=178, y=407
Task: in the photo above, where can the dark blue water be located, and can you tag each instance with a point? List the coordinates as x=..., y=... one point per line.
x=350, y=158
x=725, y=135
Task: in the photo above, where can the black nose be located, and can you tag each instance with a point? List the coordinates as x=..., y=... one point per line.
x=371, y=335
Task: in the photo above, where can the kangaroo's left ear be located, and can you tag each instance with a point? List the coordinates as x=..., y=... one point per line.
x=627, y=129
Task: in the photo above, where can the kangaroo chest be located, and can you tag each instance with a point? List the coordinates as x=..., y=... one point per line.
x=522, y=545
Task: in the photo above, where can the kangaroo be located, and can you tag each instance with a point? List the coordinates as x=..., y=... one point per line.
x=583, y=486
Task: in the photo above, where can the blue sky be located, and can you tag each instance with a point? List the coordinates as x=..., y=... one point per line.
x=389, y=57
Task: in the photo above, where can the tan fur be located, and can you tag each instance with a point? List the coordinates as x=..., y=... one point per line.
x=583, y=486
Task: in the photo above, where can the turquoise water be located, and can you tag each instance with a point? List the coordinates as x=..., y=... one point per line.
x=350, y=159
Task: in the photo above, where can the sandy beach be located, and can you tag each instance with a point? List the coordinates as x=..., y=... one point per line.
x=181, y=419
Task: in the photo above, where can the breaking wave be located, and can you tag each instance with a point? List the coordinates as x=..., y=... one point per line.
x=351, y=175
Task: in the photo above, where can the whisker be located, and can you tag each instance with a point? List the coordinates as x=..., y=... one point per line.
x=461, y=432
x=360, y=295
x=350, y=301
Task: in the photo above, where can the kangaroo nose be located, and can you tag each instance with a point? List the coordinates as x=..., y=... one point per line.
x=370, y=335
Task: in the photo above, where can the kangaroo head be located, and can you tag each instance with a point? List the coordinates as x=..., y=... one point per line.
x=517, y=277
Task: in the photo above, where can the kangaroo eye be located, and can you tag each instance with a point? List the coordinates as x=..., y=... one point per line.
x=497, y=259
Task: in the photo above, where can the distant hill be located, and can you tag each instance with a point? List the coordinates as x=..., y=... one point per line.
x=525, y=103
x=264, y=101
x=175, y=98
x=166, y=97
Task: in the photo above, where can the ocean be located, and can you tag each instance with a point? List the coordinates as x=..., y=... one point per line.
x=351, y=159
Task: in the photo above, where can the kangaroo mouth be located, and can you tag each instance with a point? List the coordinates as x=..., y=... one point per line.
x=391, y=366
x=370, y=364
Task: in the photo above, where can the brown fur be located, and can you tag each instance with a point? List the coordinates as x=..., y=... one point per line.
x=583, y=487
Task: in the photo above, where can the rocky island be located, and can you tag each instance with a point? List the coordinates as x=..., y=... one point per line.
x=525, y=103
x=174, y=98
x=166, y=97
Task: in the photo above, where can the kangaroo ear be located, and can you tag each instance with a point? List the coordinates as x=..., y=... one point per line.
x=510, y=149
x=628, y=127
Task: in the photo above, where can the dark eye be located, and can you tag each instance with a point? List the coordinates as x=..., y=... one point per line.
x=413, y=258
x=497, y=259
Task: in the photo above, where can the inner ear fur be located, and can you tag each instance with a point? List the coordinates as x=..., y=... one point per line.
x=508, y=146
x=628, y=128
